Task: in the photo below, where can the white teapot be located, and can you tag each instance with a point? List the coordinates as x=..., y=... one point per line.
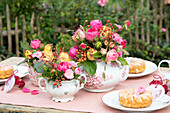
x=166, y=75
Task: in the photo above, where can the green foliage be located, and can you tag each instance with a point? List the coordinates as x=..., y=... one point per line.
x=70, y=13
x=122, y=61
x=90, y=67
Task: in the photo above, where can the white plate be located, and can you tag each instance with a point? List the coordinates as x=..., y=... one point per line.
x=150, y=68
x=112, y=100
x=22, y=71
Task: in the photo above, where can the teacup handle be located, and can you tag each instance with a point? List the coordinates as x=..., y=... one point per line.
x=39, y=84
x=85, y=80
x=160, y=65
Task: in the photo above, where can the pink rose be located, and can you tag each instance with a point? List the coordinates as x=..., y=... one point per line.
x=62, y=66
x=35, y=44
x=128, y=23
x=103, y=51
x=102, y=2
x=69, y=74
x=78, y=71
x=120, y=53
x=123, y=43
x=79, y=34
x=117, y=38
x=54, y=66
x=91, y=34
x=141, y=90
x=111, y=56
x=119, y=26
x=72, y=64
x=83, y=46
x=37, y=54
x=97, y=24
x=163, y=29
x=73, y=52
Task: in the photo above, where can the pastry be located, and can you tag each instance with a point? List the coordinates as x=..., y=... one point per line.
x=6, y=71
x=136, y=66
x=135, y=99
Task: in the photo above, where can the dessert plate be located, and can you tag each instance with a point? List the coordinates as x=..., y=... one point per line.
x=22, y=71
x=112, y=100
x=150, y=68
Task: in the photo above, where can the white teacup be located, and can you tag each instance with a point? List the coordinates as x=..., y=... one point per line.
x=166, y=75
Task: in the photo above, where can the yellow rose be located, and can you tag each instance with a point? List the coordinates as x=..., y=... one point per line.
x=48, y=47
x=90, y=54
x=28, y=54
x=64, y=57
x=48, y=55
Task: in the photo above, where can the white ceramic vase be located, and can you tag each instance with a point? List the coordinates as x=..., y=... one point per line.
x=114, y=73
x=65, y=92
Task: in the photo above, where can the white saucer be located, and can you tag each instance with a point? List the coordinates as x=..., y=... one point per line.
x=150, y=68
x=22, y=71
x=112, y=100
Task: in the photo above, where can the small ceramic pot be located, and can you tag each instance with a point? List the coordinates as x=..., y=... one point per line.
x=63, y=93
x=33, y=77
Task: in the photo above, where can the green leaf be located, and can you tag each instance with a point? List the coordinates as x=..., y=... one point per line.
x=80, y=63
x=122, y=61
x=38, y=76
x=103, y=58
x=25, y=46
x=97, y=54
x=22, y=62
x=90, y=67
x=104, y=75
x=39, y=66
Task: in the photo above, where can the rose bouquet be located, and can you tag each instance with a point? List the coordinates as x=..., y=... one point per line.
x=96, y=42
x=54, y=65
x=37, y=51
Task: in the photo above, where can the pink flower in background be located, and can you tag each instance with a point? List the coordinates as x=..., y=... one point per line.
x=62, y=66
x=79, y=34
x=120, y=53
x=112, y=55
x=141, y=90
x=73, y=52
x=117, y=38
x=123, y=43
x=78, y=71
x=163, y=29
x=103, y=51
x=69, y=74
x=119, y=26
x=37, y=54
x=72, y=64
x=91, y=34
x=35, y=44
x=128, y=23
x=102, y=2
x=97, y=24
x=83, y=45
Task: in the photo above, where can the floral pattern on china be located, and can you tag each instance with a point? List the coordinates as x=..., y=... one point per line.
x=97, y=48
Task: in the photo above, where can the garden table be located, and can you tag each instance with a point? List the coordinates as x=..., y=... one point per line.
x=84, y=101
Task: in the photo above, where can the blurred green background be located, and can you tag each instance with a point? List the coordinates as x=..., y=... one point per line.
x=59, y=18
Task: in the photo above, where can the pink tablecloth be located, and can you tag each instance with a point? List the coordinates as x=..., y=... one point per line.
x=84, y=101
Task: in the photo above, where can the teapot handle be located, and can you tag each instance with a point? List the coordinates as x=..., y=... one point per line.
x=160, y=65
x=39, y=84
x=85, y=80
